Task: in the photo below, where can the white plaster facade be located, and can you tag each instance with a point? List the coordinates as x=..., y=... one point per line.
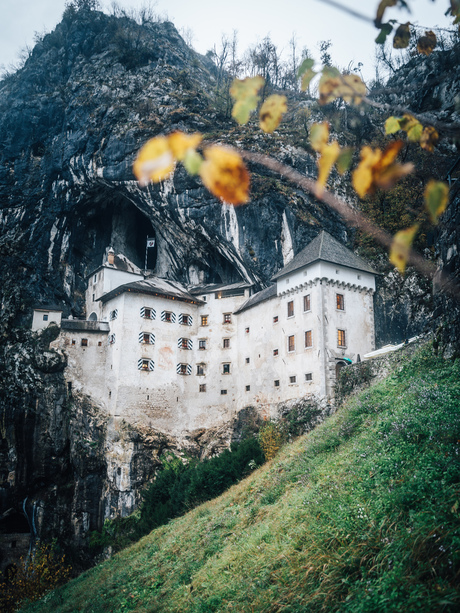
x=178, y=358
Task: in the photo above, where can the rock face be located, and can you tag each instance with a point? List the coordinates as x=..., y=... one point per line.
x=71, y=121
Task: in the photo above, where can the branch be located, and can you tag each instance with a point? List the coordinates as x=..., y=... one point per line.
x=348, y=10
x=355, y=218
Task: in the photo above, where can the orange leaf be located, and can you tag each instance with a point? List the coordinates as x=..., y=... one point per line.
x=223, y=172
x=427, y=43
x=429, y=138
x=329, y=155
x=401, y=246
x=402, y=36
x=271, y=112
x=333, y=85
x=154, y=161
x=180, y=143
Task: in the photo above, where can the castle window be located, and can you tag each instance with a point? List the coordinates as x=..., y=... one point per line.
x=200, y=369
x=308, y=339
x=94, y=297
x=145, y=364
x=95, y=279
x=308, y=376
x=204, y=320
x=112, y=339
x=246, y=330
x=113, y=314
x=223, y=392
x=202, y=387
x=74, y=342
x=226, y=368
x=276, y=382
x=184, y=369
x=148, y=313
x=275, y=319
x=340, y=302
x=185, y=343
x=84, y=342
x=341, y=341
x=45, y=317
x=292, y=379
x=291, y=343
x=359, y=276
x=146, y=338
x=248, y=388
x=185, y=320
x=247, y=360
x=202, y=344
x=290, y=308
x=168, y=317
x=226, y=343
x=227, y=318
x=99, y=343
x=306, y=303
x=275, y=351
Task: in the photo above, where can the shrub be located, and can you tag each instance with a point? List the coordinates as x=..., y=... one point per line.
x=271, y=438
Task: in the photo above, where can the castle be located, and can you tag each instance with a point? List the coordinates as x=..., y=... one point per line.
x=177, y=358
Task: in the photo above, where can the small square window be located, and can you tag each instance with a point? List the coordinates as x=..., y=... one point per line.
x=99, y=343
x=202, y=387
x=45, y=317
x=223, y=392
x=226, y=343
x=306, y=303
x=185, y=320
x=146, y=338
x=202, y=344
x=275, y=351
x=290, y=308
x=246, y=330
x=291, y=343
x=227, y=318
x=247, y=360
x=185, y=343
x=340, y=302
x=74, y=342
x=275, y=319
x=226, y=369
x=204, y=320
x=277, y=382
x=292, y=379
x=183, y=369
x=145, y=365
x=248, y=388
x=168, y=317
x=359, y=276
x=341, y=341
x=308, y=339
x=84, y=342
x=308, y=376
x=200, y=369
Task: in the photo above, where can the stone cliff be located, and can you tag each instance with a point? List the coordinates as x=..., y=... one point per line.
x=71, y=122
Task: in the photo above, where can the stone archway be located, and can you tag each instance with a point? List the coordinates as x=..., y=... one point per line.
x=338, y=367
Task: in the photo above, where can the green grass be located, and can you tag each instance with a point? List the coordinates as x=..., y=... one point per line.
x=361, y=515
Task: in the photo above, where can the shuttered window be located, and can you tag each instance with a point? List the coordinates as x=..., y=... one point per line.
x=146, y=338
x=185, y=320
x=184, y=369
x=146, y=365
x=168, y=317
x=185, y=343
x=148, y=313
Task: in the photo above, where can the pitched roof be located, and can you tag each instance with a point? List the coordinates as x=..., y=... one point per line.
x=154, y=286
x=325, y=247
x=262, y=296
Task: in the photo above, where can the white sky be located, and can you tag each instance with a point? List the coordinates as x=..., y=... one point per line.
x=310, y=20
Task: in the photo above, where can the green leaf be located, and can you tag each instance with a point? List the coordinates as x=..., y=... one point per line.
x=385, y=30
x=392, y=125
x=414, y=133
x=192, y=162
x=244, y=92
x=344, y=160
x=306, y=65
x=436, y=199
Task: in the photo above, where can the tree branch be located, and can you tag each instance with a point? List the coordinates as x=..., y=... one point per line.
x=356, y=219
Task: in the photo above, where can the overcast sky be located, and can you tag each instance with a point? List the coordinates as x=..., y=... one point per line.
x=310, y=20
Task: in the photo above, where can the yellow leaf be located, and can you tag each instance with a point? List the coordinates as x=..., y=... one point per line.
x=271, y=112
x=411, y=126
x=402, y=36
x=436, y=199
x=378, y=169
x=329, y=155
x=427, y=43
x=392, y=125
x=154, y=161
x=429, y=138
x=319, y=135
x=180, y=143
x=383, y=4
x=192, y=162
x=401, y=246
x=244, y=92
x=306, y=73
x=333, y=85
x=223, y=172
x=344, y=159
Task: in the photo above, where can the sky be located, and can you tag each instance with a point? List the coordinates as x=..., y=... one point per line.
x=310, y=21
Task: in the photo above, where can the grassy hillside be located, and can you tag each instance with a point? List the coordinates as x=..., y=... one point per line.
x=361, y=515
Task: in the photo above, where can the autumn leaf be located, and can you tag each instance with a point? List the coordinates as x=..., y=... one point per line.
x=271, y=112
x=385, y=30
x=455, y=10
x=402, y=36
x=244, y=92
x=392, y=125
x=154, y=161
x=427, y=43
x=333, y=85
x=319, y=135
x=223, y=172
x=329, y=155
x=306, y=73
x=180, y=143
x=436, y=199
x=429, y=138
x=401, y=246
x=408, y=123
x=383, y=4
x=192, y=162
x=344, y=159
x=378, y=169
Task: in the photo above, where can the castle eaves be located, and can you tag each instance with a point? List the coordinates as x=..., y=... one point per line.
x=154, y=286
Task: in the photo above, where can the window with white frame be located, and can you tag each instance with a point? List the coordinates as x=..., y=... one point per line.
x=341, y=338
x=202, y=387
x=226, y=343
x=200, y=369
x=223, y=392
x=293, y=379
x=291, y=343
x=308, y=339
x=204, y=320
x=45, y=317
x=202, y=344
x=340, y=302
x=227, y=318
x=226, y=368
x=306, y=303
x=290, y=308
x=84, y=342
x=308, y=376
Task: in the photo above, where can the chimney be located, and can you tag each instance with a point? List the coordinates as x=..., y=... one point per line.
x=111, y=257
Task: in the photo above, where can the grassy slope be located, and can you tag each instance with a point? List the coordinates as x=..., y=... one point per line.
x=360, y=515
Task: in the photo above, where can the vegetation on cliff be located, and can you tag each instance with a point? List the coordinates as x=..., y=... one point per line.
x=360, y=515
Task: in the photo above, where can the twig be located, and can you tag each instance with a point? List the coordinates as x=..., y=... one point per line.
x=348, y=10
x=356, y=219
